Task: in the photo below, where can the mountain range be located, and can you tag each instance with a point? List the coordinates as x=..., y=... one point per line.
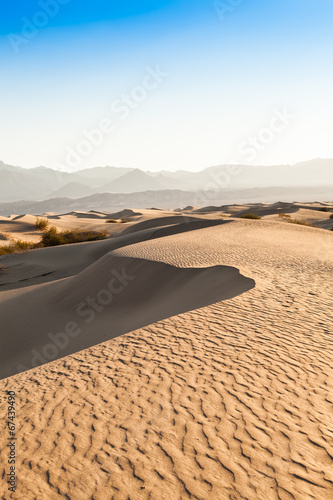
x=41, y=183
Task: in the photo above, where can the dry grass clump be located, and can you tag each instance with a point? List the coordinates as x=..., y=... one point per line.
x=3, y=237
x=250, y=216
x=299, y=221
x=122, y=221
x=41, y=224
x=288, y=218
x=52, y=237
x=16, y=247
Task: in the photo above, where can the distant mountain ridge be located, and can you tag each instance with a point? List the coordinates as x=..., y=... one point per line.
x=41, y=183
x=170, y=199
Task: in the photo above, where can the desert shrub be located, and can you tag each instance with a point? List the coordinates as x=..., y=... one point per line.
x=6, y=249
x=324, y=209
x=300, y=222
x=250, y=216
x=52, y=237
x=3, y=237
x=124, y=220
x=16, y=246
x=112, y=221
x=331, y=216
x=285, y=216
x=41, y=224
x=23, y=245
x=80, y=236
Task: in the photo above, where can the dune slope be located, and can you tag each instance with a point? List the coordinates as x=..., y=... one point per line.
x=49, y=264
x=230, y=401
x=111, y=297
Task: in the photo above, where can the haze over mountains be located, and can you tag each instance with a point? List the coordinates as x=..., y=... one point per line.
x=129, y=186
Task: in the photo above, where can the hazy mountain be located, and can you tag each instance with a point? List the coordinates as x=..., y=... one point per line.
x=137, y=181
x=73, y=190
x=106, y=173
x=41, y=183
x=168, y=199
x=38, y=183
x=3, y=167
x=134, y=181
x=312, y=173
x=171, y=182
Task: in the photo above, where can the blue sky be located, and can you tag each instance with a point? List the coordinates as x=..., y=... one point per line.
x=69, y=65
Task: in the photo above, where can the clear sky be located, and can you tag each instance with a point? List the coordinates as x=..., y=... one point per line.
x=165, y=84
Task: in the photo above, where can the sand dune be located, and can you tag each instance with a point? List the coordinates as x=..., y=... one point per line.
x=86, y=215
x=160, y=221
x=231, y=400
x=125, y=213
x=20, y=229
x=150, y=291
x=29, y=219
x=312, y=213
x=49, y=264
x=23, y=226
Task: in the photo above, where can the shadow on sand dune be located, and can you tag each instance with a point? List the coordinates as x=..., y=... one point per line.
x=49, y=264
x=113, y=296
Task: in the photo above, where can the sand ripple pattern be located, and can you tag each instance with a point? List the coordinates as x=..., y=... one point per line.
x=232, y=401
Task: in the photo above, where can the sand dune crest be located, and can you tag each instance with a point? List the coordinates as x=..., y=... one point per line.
x=111, y=297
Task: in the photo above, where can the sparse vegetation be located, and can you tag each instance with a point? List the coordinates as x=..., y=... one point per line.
x=324, y=209
x=16, y=247
x=3, y=237
x=124, y=220
x=52, y=237
x=299, y=221
x=112, y=221
x=41, y=224
x=331, y=216
x=288, y=218
x=250, y=216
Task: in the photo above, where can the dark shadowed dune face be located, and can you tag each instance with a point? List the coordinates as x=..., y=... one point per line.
x=112, y=297
x=183, y=222
x=48, y=264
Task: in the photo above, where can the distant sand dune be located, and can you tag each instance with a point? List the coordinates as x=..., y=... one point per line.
x=161, y=221
x=27, y=218
x=125, y=213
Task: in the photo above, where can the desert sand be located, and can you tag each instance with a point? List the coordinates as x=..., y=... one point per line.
x=204, y=371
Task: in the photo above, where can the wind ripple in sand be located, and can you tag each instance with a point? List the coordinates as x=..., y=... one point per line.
x=192, y=406
x=109, y=298
x=69, y=260
x=187, y=408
